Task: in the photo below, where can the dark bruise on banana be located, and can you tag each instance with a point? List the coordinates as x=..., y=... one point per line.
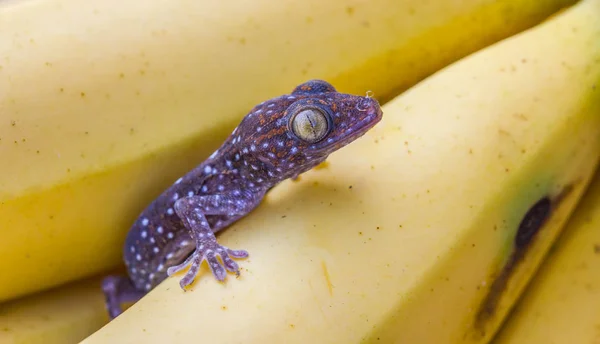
x=531, y=225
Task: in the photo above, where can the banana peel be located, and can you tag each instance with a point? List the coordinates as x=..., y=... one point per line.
x=428, y=228
x=104, y=103
x=562, y=303
x=62, y=315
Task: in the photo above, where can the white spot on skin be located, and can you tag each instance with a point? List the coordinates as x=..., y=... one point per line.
x=251, y=184
x=144, y=234
x=330, y=140
x=221, y=188
x=254, y=167
x=253, y=148
x=155, y=249
x=138, y=257
x=245, y=150
x=291, y=97
x=280, y=143
x=228, y=163
x=259, y=180
x=207, y=169
x=152, y=241
x=170, y=255
x=293, y=150
x=178, y=180
x=204, y=188
x=271, y=105
x=145, y=222
x=291, y=164
x=238, y=138
x=204, y=223
x=170, y=211
x=214, y=171
x=159, y=229
x=258, y=129
x=265, y=145
x=214, y=154
x=148, y=286
x=134, y=270
x=269, y=112
x=191, y=193
x=175, y=196
x=132, y=249
x=160, y=267
x=170, y=235
x=237, y=156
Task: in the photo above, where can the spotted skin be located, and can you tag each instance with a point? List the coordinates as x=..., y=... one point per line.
x=177, y=229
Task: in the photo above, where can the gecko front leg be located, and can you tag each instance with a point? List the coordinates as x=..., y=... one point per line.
x=193, y=211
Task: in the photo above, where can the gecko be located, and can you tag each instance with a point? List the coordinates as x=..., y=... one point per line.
x=278, y=139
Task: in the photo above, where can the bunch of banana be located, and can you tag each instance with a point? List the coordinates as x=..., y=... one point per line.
x=104, y=103
x=428, y=228
x=562, y=304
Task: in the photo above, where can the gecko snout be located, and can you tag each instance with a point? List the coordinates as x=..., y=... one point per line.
x=371, y=107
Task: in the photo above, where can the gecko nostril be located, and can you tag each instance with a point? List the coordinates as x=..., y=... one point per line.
x=364, y=104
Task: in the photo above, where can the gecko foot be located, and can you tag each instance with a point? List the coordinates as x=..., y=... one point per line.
x=208, y=250
x=117, y=290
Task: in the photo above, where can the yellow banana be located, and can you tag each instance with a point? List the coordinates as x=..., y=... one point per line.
x=103, y=103
x=427, y=228
x=562, y=303
x=63, y=315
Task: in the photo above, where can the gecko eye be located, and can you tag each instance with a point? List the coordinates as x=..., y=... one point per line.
x=310, y=125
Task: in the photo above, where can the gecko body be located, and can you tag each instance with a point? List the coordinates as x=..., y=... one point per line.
x=278, y=139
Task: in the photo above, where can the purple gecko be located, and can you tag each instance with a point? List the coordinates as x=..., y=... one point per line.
x=279, y=139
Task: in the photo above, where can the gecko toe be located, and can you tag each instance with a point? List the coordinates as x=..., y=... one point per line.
x=215, y=266
x=190, y=276
x=237, y=253
x=176, y=268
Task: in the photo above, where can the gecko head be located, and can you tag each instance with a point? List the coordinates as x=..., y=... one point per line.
x=292, y=131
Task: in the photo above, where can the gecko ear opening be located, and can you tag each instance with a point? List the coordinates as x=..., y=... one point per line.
x=314, y=87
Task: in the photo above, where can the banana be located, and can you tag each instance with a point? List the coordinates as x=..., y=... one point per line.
x=425, y=230
x=103, y=103
x=561, y=305
x=66, y=314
